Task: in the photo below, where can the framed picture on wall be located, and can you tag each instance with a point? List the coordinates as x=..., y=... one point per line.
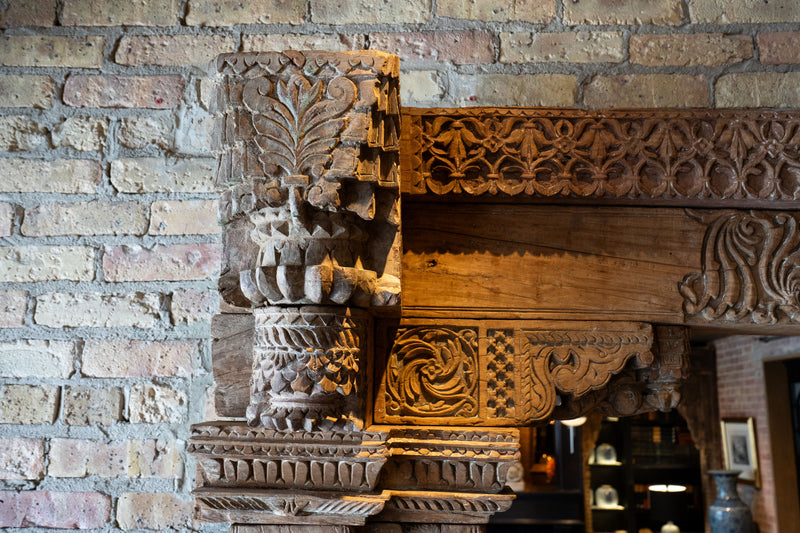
x=740, y=449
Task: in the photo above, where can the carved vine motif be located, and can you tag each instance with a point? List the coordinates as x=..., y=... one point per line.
x=667, y=155
x=433, y=372
x=750, y=269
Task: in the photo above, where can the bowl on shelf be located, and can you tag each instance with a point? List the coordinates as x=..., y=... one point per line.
x=606, y=497
x=605, y=454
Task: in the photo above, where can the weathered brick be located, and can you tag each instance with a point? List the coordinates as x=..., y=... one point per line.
x=189, y=306
x=228, y=12
x=176, y=262
x=46, y=263
x=647, y=90
x=154, y=458
x=777, y=48
x=690, y=50
x=145, y=510
x=558, y=90
x=127, y=358
x=6, y=219
x=152, y=92
x=151, y=404
x=758, y=89
x=37, y=358
x=136, y=310
x=71, y=176
x=570, y=47
x=119, y=13
x=82, y=133
x=370, y=11
x=19, y=134
x=75, y=458
x=62, y=510
x=420, y=86
x=498, y=10
x=20, y=90
x=86, y=218
x=459, y=46
x=187, y=217
x=630, y=12
x=13, y=306
x=280, y=41
x=86, y=406
x=28, y=404
x=728, y=11
x=195, y=132
x=51, y=51
x=172, y=50
x=21, y=458
x=140, y=132
x=17, y=14
x=160, y=175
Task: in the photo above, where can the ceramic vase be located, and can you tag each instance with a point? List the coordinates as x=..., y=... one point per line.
x=728, y=513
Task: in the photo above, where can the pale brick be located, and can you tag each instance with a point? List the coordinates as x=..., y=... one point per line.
x=71, y=176
x=195, y=132
x=46, y=263
x=20, y=90
x=151, y=404
x=21, y=459
x=20, y=134
x=187, y=217
x=557, y=90
x=85, y=406
x=140, y=132
x=19, y=13
x=777, y=48
x=336, y=42
x=154, y=459
x=569, y=47
x=630, y=12
x=82, y=133
x=540, y=11
x=86, y=218
x=75, y=458
x=228, y=12
x=13, y=306
x=420, y=86
x=6, y=219
x=647, y=90
x=176, y=262
x=145, y=510
x=370, y=11
x=690, y=50
x=51, y=51
x=136, y=310
x=460, y=47
x=733, y=11
x=127, y=358
x=152, y=92
x=62, y=510
x=28, y=404
x=37, y=358
x=189, y=306
x=159, y=175
x=761, y=89
x=172, y=50
x=120, y=13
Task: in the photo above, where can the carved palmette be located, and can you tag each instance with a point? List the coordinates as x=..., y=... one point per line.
x=308, y=177
x=308, y=369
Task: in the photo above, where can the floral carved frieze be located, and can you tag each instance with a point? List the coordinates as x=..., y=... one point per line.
x=675, y=157
x=750, y=269
x=502, y=372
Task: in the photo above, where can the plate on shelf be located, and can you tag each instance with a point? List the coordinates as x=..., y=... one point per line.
x=605, y=454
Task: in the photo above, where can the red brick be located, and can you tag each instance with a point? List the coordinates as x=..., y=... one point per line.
x=777, y=48
x=163, y=263
x=460, y=47
x=152, y=92
x=127, y=358
x=18, y=13
x=62, y=510
x=21, y=459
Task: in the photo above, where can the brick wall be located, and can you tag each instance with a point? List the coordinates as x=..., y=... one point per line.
x=109, y=247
